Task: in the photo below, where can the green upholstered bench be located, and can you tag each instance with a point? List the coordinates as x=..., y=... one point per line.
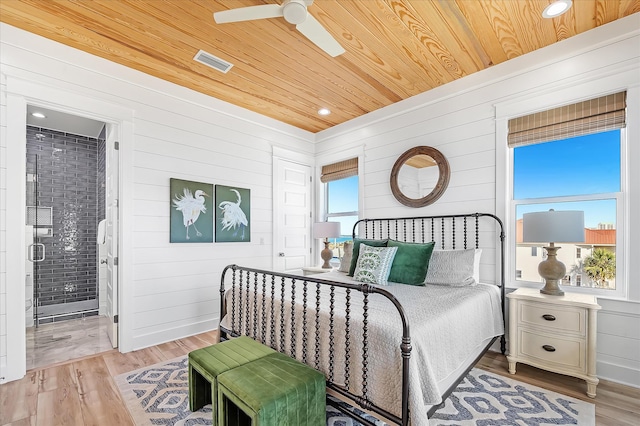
x=275, y=390
x=207, y=363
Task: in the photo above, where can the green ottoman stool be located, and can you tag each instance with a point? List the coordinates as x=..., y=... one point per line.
x=207, y=363
x=275, y=390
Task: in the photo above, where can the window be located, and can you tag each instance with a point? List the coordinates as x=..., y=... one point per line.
x=576, y=169
x=341, y=198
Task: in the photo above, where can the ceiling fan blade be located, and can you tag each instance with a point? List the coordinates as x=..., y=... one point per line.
x=250, y=13
x=314, y=31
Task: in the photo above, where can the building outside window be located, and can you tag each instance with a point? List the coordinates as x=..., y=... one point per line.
x=578, y=172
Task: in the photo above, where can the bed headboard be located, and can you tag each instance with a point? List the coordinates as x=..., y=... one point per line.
x=448, y=232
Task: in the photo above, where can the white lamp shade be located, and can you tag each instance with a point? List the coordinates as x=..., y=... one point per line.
x=553, y=227
x=326, y=229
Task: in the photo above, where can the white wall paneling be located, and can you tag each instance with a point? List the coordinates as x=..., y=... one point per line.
x=459, y=119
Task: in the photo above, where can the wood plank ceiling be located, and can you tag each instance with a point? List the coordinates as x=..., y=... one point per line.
x=395, y=49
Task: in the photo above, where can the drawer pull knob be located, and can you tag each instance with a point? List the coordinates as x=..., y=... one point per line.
x=548, y=348
x=549, y=317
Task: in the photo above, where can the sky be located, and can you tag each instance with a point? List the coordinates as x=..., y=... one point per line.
x=576, y=166
x=343, y=197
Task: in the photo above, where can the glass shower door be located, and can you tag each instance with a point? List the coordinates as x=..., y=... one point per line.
x=35, y=249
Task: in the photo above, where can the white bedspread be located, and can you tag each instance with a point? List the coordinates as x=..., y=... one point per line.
x=446, y=325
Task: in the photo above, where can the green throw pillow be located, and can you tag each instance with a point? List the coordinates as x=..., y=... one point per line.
x=356, y=251
x=374, y=264
x=411, y=262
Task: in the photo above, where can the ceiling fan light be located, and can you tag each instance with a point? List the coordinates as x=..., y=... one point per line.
x=556, y=8
x=294, y=11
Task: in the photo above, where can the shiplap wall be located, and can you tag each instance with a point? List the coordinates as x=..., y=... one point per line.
x=176, y=133
x=459, y=119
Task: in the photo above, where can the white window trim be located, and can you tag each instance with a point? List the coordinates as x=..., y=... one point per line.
x=526, y=104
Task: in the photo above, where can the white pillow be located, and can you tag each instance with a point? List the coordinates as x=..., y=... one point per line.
x=476, y=265
x=345, y=262
x=374, y=264
x=454, y=267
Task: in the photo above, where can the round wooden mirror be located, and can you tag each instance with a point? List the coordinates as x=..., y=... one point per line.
x=420, y=176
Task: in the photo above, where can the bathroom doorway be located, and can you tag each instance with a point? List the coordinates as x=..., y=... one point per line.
x=67, y=305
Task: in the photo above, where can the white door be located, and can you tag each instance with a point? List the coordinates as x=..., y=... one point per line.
x=112, y=234
x=292, y=215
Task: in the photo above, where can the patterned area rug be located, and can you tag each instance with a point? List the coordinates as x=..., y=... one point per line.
x=159, y=395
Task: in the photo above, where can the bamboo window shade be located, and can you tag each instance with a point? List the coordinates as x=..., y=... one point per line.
x=583, y=118
x=339, y=170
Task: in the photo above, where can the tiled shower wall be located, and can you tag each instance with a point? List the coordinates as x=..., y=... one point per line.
x=71, y=181
x=102, y=174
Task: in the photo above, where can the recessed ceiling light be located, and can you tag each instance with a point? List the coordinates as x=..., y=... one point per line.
x=38, y=114
x=556, y=8
x=324, y=111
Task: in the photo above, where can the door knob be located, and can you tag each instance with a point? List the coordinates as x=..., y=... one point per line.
x=281, y=254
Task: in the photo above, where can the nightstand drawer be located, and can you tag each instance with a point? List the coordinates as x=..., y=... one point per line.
x=567, y=320
x=547, y=350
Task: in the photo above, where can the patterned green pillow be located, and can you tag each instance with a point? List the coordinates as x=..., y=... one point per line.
x=374, y=264
x=356, y=251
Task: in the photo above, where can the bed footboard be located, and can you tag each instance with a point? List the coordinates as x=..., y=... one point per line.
x=314, y=321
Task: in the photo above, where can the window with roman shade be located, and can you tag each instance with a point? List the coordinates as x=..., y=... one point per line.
x=341, y=193
x=571, y=158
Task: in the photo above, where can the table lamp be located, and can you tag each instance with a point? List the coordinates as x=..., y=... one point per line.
x=553, y=227
x=326, y=230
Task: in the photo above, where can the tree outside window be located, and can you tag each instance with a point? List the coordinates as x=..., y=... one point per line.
x=600, y=267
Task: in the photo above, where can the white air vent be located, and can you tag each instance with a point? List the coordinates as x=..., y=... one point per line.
x=212, y=61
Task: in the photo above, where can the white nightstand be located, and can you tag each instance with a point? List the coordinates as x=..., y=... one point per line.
x=312, y=270
x=555, y=333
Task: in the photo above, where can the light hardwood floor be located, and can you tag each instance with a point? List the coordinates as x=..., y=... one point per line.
x=83, y=391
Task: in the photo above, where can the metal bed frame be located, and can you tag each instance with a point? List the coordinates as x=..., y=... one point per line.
x=251, y=317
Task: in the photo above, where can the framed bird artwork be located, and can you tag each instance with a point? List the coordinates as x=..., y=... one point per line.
x=191, y=212
x=233, y=214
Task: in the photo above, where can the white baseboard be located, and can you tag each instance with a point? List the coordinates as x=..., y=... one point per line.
x=618, y=374
x=145, y=340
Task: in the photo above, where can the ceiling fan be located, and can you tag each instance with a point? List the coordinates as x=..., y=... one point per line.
x=294, y=12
